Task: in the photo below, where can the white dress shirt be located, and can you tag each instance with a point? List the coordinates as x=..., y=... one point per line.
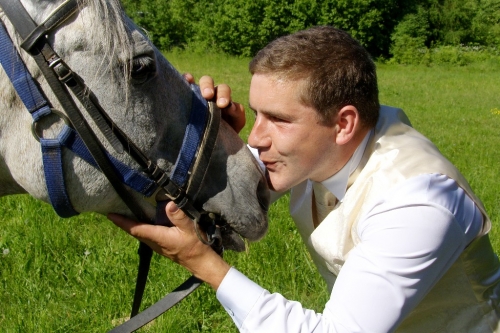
x=401, y=256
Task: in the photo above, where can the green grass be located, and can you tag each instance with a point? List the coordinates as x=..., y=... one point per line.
x=78, y=274
x=455, y=108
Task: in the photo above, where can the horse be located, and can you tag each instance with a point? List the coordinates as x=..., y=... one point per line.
x=146, y=98
x=147, y=115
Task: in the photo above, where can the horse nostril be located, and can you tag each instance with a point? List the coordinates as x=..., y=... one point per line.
x=263, y=195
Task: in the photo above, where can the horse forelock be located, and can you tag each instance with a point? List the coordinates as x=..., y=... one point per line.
x=114, y=41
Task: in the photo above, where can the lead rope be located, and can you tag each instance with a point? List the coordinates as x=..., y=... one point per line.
x=168, y=301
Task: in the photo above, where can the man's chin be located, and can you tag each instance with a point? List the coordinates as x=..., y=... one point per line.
x=275, y=186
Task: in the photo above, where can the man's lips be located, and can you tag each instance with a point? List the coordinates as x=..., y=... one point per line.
x=270, y=165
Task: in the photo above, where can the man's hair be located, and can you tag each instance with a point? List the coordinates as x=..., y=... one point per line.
x=337, y=70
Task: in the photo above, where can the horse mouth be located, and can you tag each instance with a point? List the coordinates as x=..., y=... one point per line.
x=233, y=238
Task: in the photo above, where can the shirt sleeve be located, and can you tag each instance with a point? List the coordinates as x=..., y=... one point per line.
x=254, y=309
x=409, y=239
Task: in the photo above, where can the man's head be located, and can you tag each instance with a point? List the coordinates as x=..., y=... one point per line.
x=315, y=97
x=336, y=71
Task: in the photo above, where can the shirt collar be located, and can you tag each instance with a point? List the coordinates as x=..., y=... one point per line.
x=337, y=184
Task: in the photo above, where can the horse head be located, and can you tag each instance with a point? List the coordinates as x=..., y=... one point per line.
x=146, y=98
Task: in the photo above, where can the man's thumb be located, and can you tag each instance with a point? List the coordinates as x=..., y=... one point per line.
x=176, y=215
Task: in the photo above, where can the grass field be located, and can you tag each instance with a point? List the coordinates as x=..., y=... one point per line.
x=78, y=274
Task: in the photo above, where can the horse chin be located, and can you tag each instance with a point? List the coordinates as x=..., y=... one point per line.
x=236, y=235
x=232, y=241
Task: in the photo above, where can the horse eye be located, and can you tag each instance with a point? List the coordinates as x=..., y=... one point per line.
x=143, y=68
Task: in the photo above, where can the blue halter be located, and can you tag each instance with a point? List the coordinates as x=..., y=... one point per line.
x=35, y=102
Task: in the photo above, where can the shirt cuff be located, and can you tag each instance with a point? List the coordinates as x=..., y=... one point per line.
x=238, y=294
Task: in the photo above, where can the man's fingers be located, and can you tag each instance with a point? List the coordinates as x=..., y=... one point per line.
x=234, y=115
x=189, y=77
x=207, y=87
x=138, y=230
x=147, y=231
x=223, y=96
x=178, y=217
x=122, y=222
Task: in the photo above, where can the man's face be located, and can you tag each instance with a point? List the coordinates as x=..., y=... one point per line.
x=292, y=143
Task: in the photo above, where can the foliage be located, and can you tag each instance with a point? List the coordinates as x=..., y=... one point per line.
x=454, y=20
x=446, y=26
x=232, y=26
x=369, y=21
x=410, y=37
x=409, y=50
x=411, y=53
x=486, y=23
x=241, y=27
x=164, y=21
x=404, y=29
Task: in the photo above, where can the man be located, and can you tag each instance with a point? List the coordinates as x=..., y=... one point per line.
x=392, y=226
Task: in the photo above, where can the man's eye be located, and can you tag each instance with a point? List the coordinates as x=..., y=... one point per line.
x=278, y=119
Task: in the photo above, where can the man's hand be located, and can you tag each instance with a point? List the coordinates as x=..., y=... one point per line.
x=179, y=243
x=233, y=113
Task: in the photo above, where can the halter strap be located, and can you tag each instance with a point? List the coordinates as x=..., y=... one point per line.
x=36, y=103
x=38, y=107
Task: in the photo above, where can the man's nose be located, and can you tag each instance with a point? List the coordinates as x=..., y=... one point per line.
x=258, y=137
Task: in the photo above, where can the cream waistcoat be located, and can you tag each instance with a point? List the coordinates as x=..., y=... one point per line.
x=395, y=153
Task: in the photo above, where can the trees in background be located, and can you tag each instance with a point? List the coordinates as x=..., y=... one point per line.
x=454, y=27
x=406, y=30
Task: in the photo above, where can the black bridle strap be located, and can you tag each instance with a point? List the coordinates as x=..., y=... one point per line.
x=168, y=301
x=61, y=14
x=30, y=32
x=205, y=153
x=91, y=104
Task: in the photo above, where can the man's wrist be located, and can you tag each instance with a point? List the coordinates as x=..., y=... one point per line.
x=210, y=268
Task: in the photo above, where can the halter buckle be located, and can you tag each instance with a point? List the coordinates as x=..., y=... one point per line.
x=64, y=73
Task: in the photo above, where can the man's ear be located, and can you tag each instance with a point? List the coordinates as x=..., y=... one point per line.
x=347, y=124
